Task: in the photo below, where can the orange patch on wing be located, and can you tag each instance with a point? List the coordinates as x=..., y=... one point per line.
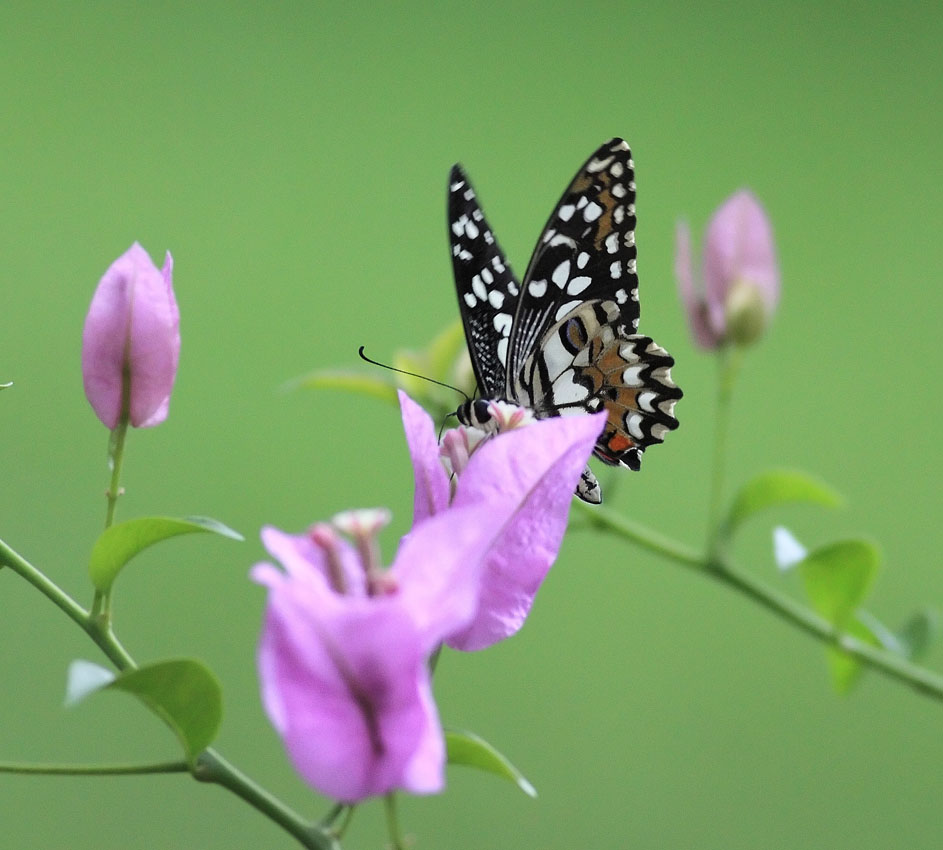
x=618, y=443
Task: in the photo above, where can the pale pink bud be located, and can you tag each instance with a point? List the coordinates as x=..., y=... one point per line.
x=740, y=275
x=131, y=341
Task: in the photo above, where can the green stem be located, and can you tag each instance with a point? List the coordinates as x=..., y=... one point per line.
x=95, y=769
x=101, y=604
x=728, y=362
x=722, y=570
x=389, y=804
x=16, y=562
x=115, y=458
x=212, y=767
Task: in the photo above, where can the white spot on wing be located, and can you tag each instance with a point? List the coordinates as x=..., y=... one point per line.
x=582, y=260
x=502, y=323
x=565, y=308
x=470, y=299
x=612, y=243
x=566, y=212
x=633, y=424
x=496, y=298
x=578, y=284
x=592, y=211
x=615, y=270
x=631, y=377
x=621, y=296
x=561, y=274
x=502, y=350
x=537, y=288
x=479, y=288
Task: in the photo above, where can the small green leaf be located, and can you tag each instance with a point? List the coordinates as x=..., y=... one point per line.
x=347, y=381
x=468, y=749
x=919, y=633
x=845, y=669
x=120, y=543
x=182, y=692
x=838, y=576
x=778, y=487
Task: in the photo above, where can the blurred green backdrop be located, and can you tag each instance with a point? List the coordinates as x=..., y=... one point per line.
x=293, y=158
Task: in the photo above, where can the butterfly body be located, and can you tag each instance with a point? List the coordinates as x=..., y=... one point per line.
x=564, y=342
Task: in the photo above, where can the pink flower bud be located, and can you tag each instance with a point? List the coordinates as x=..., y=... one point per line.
x=739, y=271
x=131, y=341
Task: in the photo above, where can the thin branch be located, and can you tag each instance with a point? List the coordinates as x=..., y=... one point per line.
x=724, y=571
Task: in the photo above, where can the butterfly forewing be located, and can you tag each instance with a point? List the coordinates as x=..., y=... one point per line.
x=487, y=289
x=586, y=252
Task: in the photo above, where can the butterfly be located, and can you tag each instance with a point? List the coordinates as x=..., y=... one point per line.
x=564, y=340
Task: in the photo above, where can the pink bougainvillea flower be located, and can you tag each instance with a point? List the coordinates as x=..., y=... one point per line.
x=739, y=271
x=343, y=658
x=533, y=468
x=131, y=341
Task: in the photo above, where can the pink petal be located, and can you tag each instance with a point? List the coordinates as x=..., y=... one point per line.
x=439, y=565
x=345, y=682
x=432, y=483
x=739, y=245
x=694, y=304
x=534, y=470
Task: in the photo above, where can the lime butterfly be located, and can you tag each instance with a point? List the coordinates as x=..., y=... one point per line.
x=564, y=340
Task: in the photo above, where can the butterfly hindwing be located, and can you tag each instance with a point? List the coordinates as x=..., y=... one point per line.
x=487, y=289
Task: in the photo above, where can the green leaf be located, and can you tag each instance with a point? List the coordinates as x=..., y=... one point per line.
x=347, y=381
x=182, y=692
x=919, y=633
x=120, y=543
x=845, y=669
x=468, y=749
x=838, y=576
x=778, y=487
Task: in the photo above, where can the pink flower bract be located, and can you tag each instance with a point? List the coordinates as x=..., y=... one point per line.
x=345, y=677
x=535, y=470
x=131, y=341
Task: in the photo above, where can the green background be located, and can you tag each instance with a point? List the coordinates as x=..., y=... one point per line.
x=293, y=157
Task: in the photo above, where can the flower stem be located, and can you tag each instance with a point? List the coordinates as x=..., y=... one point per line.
x=95, y=769
x=389, y=802
x=115, y=457
x=728, y=362
x=723, y=570
x=212, y=767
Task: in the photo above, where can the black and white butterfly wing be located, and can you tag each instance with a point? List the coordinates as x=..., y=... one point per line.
x=486, y=287
x=586, y=252
x=564, y=341
x=573, y=346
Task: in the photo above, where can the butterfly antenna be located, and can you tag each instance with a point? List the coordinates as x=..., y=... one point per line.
x=411, y=374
